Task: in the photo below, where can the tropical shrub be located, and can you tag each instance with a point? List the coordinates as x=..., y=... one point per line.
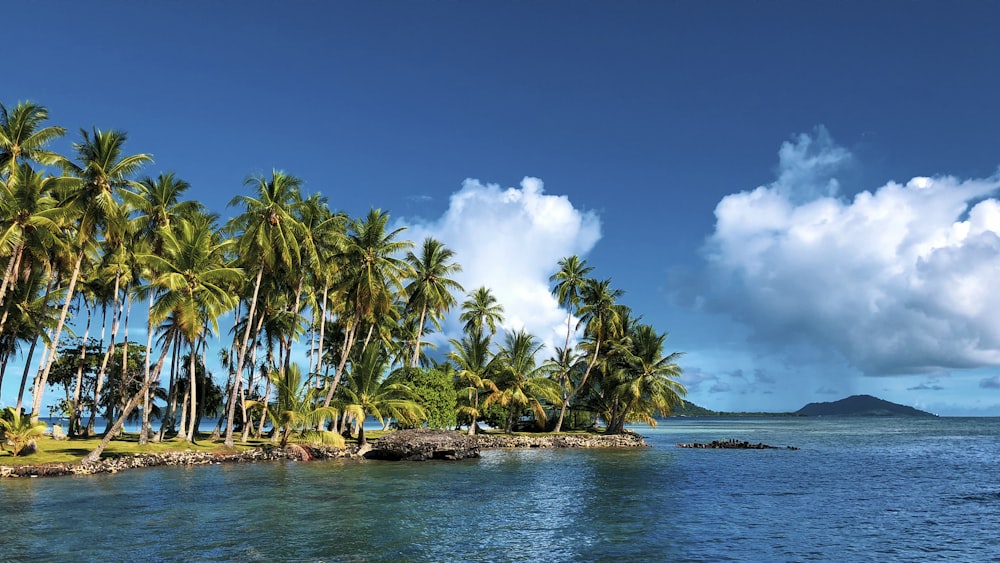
x=18, y=430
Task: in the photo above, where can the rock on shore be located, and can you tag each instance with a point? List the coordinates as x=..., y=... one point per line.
x=425, y=444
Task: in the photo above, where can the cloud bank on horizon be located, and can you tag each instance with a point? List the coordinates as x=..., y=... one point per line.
x=897, y=280
x=511, y=240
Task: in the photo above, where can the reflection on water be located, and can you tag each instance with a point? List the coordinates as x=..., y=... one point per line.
x=859, y=489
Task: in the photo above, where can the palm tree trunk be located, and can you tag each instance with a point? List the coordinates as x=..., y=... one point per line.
x=193, y=392
x=322, y=334
x=242, y=357
x=145, y=430
x=74, y=421
x=36, y=397
x=95, y=455
x=116, y=316
x=13, y=265
x=564, y=376
x=349, y=337
x=420, y=331
x=27, y=369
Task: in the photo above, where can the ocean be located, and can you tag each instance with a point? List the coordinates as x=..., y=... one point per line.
x=857, y=489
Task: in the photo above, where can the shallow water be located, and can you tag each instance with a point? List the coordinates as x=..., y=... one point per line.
x=858, y=490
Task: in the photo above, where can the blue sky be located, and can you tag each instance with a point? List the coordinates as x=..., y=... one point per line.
x=801, y=193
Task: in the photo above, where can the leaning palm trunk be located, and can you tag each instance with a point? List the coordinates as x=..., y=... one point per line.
x=95, y=455
x=583, y=381
x=116, y=316
x=40, y=382
x=349, y=338
x=145, y=430
x=242, y=357
x=13, y=265
x=564, y=376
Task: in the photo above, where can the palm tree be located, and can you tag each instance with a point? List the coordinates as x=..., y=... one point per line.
x=295, y=410
x=23, y=139
x=569, y=280
x=475, y=365
x=19, y=430
x=372, y=280
x=31, y=222
x=102, y=169
x=644, y=382
x=602, y=318
x=195, y=283
x=481, y=310
x=520, y=383
x=157, y=205
x=269, y=237
x=368, y=392
x=430, y=289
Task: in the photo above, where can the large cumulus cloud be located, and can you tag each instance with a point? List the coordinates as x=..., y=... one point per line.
x=897, y=279
x=510, y=240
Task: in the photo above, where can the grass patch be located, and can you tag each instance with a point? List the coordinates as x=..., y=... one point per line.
x=73, y=450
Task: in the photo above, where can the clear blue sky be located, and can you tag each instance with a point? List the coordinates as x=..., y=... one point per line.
x=707, y=156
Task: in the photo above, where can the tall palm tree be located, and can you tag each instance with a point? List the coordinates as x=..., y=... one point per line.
x=521, y=383
x=644, y=381
x=569, y=281
x=269, y=235
x=195, y=283
x=372, y=280
x=102, y=168
x=156, y=204
x=481, y=310
x=22, y=137
x=602, y=319
x=430, y=289
x=475, y=365
x=368, y=392
x=30, y=221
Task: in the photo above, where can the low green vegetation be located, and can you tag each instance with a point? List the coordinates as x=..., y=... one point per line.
x=88, y=241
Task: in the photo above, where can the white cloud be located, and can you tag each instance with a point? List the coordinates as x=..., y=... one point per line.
x=511, y=240
x=896, y=280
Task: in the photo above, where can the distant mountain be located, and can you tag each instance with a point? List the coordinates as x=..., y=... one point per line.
x=860, y=405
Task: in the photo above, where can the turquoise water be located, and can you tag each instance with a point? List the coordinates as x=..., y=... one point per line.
x=857, y=490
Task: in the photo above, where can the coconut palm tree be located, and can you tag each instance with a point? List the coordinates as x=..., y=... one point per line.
x=268, y=239
x=481, y=310
x=521, y=383
x=23, y=139
x=475, y=365
x=294, y=408
x=371, y=281
x=569, y=281
x=102, y=168
x=430, y=289
x=642, y=382
x=368, y=392
x=30, y=222
x=602, y=319
x=195, y=287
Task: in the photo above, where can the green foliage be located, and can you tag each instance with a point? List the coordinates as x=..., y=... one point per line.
x=434, y=390
x=18, y=430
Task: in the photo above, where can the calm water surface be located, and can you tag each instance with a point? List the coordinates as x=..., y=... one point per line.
x=857, y=490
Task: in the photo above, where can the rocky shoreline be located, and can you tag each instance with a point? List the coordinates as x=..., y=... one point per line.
x=415, y=445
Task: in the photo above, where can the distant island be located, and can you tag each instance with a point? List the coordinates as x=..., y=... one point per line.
x=861, y=405
x=855, y=405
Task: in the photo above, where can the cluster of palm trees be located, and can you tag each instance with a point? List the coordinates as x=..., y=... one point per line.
x=84, y=240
